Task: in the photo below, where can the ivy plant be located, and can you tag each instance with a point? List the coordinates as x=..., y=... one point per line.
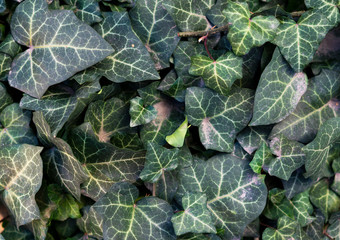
x=169, y=119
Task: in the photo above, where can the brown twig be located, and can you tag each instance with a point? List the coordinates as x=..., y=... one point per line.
x=222, y=29
x=154, y=189
x=263, y=224
x=326, y=234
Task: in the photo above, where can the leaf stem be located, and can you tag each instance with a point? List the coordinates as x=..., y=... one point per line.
x=263, y=224
x=154, y=187
x=326, y=234
x=222, y=29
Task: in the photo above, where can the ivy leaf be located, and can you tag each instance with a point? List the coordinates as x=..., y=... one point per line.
x=16, y=126
x=166, y=186
x=236, y=195
x=251, y=138
x=177, y=138
x=219, y=117
x=263, y=156
x=126, y=218
x=10, y=46
x=303, y=208
x=127, y=141
x=336, y=184
x=215, y=14
x=108, y=117
x=57, y=49
x=59, y=159
x=315, y=229
x=156, y=29
x=324, y=198
x=91, y=223
x=158, y=160
x=57, y=104
x=296, y=184
x=328, y=8
x=317, y=105
x=86, y=10
x=275, y=208
x=279, y=91
x=131, y=60
x=299, y=41
x=246, y=32
x=139, y=114
x=5, y=66
x=104, y=163
x=195, y=217
x=12, y=232
x=289, y=157
x=218, y=75
x=334, y=228
x=20, y=179
x=189, y=15
x=285, y=230
x=5, y=98
x=318, y=150
x=150, y=93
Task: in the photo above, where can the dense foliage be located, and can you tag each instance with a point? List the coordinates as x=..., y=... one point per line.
x=140, y=120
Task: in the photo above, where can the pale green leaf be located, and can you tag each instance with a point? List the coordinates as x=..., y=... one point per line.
x=285, y=230
x=303, y=208
x=57, y=49
x=139, y=114
x=329, y=8
x=263, y=156
x=177, y=138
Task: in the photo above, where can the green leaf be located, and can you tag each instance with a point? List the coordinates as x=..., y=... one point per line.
x=289, y=157
x=10, y=46
x=336, y=184
x=150, y=93
x=334, y=228
x=16, y=126
x=285, y=230
x=126, y=218
x=195, y=217
x=276, y=195
x=317, y=105
x=141, y=115
x=174, y=86
x=219, y=117
x=299, y=41
x=158, y=160
x=276, y=209
x=303, y=208
x=279, y=91
x=20, y=179
x=12, y=232
x=218, y=75
x=131, y=60
x=189, y=15
x=263, y=156
x=5, y=98
x=5, y=66
x=296, y=184
x=156, y=29
x=251, y=138
x=104, y=163
x=86, y=10
x=108, y=117
x=215, y=14
x=127, y=141
x=57, y=104
x=60, y=163
x=67, y=206
x=177, y=138
x=236, y=195
x=246, y=32
x=166, y=187
x=324, y=198
x=315, y=229
x=91, y=223
x=328, y=8
x=318, y=150
x=57, y=49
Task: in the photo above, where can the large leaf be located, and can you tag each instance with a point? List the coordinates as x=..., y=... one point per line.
x=156, y=28
x=218, y=75
x=108, y=117
x=158, y=160
x=20, y=179
x=318, y=150
x=130, y=61
x=15, y=127
x=329, y=8
x=59, y=159
x=236, y=195
x=246, y=32
x=126, y=218
x=57, y=49
x=219, y=118
x=104, y=163
x=195, y=217
x=317, y=105
x=279, y=91
x=189, y=15
x=139, y=114
x=299, y=41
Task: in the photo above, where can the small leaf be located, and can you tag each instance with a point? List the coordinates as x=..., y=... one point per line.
x=318, y=150
x=279, y=91
x=10, y=46
x=5, y=66
x=218, y=75
x=91, y=223
x=150, y=93
x=177, y=138
x=296, y=184
x=299, y=41
x=141, y=115
x=195, y=217
x=57, y=49
x=20, y=179
x=158, y=160
x=5, y=98
x=166, y=186
x=246, y=32
x=334, y=228
x=263, y=156
x=324, y=198
x=86, y=10
x=285, y=230
x=251, y=138
x=126, y=218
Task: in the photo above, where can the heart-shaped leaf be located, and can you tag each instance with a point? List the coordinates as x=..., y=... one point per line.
x=57, y=49
x=141, y=115
x=251, y=138
x=91, y=223
x=285, y=230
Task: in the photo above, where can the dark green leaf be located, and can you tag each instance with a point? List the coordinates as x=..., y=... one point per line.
x=296, y=184
x=263, y=156
x=251, y=138
x=285, y=230
x=10, y=46
x=329, y=8
x=5, y=66
x=91, y=223
x=86, y=10
x=139, y=114
x=5, y=98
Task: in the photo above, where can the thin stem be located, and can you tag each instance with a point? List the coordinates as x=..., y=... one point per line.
x=154, y=187
x=222, y=29
x=263, y=224
x=206, y=48
x=326, y=234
